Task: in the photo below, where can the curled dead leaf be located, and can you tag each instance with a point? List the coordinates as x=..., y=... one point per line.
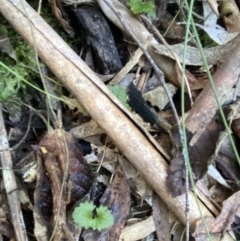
x=66, y=178
x=65, y=148
x=217, y=226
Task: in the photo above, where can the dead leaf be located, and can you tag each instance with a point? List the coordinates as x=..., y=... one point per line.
x=218, y=34
x=161, y=218
x=193, y=57
x=158, y=97
x=138, y=230
x=60, y=199
x=230, y=170
x=211, y=26
x=230, y=211
x=58, y=10
x=219, y=193
x=226, y=162
x=135, y=180
x=175, y=178
x=199, y=154
x=117, y=198
x=87, y=129
x=193, y=82
x=70, y=180
x=214, y=6
x=6, y=229
x=65, y=148
x=214, y=173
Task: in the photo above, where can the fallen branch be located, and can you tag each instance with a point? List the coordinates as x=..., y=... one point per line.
x=10, y=184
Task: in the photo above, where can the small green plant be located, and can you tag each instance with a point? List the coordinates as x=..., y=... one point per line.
x=139, y=6
x=121, y=94
x=87, y=215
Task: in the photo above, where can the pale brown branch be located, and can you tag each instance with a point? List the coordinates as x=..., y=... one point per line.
x=10, y=184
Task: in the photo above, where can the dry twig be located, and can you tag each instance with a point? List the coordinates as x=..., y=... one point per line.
x=10, y=184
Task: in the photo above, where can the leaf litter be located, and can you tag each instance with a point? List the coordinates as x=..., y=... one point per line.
x=65, y=173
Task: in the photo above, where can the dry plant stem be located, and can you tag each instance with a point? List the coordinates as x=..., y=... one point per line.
x=39, y=113
x=131, y=63
x=10, y=184
x=59, y=204
x=172, y=52
x=101, y=104
x=205, y=106
x=26, y=133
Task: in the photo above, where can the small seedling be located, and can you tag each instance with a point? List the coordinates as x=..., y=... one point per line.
x=87, y=215
x=121, y=94
x=139, y=6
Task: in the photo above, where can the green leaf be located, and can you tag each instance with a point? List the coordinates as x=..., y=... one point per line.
x=87, y=215
x=121, y=94
x=148, y=7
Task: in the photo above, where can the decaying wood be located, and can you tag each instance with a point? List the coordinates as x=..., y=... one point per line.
x=100, y=104
x=205, y=106
x=90, y=23
x=10, y=184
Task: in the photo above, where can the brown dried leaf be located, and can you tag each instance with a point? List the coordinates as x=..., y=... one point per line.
x=230, y=211
x=117, y=198
x=65, y=148
x=161, y=218
x=138, y=230
x=57, y=10
x=175, y=178
x=193, y=82
x=6, y=229
x=199, y=154
x=87, y=129
x=135, y=180
x=158, y=97
x=213, y=55
x=173, y=30
x=70, y=180
x=229, y=170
